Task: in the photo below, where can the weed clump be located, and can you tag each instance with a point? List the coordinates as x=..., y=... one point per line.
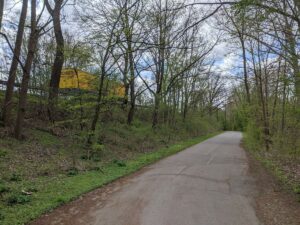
x=72, y=171
x=119, y=163
x=3, y=153
x=3, y=189
x=15, y=177
x=17, y=198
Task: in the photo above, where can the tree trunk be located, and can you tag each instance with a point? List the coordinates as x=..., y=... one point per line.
x=245, y=69
x=1, y=12
x=32, y=44
x=161, y=69
x=294, y=58
x=132, y=85
x=7, y=106
x=275, y=97
x=125, y=81
x=156, y=110
x=283, y=102
x=297, y=4
x=59, y=56
x=97, y=109
x=131, y=113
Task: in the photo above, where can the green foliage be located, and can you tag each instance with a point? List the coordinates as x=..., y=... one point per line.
x=96, y=168
x=31, y=189
x=271, y=133
x=3, y=153
x=1, y=214
x=253, y=136
x=119, y=162
x=60, y=201
x=57, y=165
x=63, y=189
x=72, y=171
x=17, y=198
x=15, y=177
x=296, y=189
x=3, y=189
x=97, y=148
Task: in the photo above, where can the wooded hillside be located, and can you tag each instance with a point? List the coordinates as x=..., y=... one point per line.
x=150, y=74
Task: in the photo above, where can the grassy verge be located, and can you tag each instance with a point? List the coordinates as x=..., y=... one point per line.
x=48, y=194
x=274, y=167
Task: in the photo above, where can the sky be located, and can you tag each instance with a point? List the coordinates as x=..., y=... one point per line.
x=225, y=58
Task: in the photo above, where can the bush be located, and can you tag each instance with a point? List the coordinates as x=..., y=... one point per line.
x=253, y=136
x=15, y=177
x=17, y=198
x=97, y=148
x=3, y=189
x=120, y=163
x=72, y=171
x=3, y=153
x=1, y=216
x=61, y=200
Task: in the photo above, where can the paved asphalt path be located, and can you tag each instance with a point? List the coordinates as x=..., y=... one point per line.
x=207, y=184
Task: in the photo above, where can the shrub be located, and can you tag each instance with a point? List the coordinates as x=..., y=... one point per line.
x=17, y=198
x=97, y=148
x=3, y=153
x=60, y=200
x=15, y=177
x=253, y=136
x=1, y=215
x=72, y=171
x=120, y=163
x=3, y=189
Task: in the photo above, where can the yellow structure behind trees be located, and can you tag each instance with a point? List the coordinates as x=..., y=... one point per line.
x=114, y=88
x=74, y=79
x=78, y=79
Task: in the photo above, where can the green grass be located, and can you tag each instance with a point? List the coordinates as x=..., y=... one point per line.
x=52, y=192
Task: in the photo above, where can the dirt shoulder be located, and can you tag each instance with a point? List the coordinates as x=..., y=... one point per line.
x=275, y=205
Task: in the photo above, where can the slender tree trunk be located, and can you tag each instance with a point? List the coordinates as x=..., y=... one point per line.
x=7, y=106
x=101, y=84
x=125, y=81
x=132, y=82
x=260, y=95
x=245, y=70
x=264, y=109
x=283, y=103
x=80, y=100
x=132, y=86
x=33, y=39
x=59, y=56
x=240, y=29
x=156, y=110
x=161, y=69
x=131, y=111
x=97, y=108
x=186, y=101
x=297, y=84
x=266, y=89
x=276, y=96
x=294, y=61
x=1, y=12
x=297, y=4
